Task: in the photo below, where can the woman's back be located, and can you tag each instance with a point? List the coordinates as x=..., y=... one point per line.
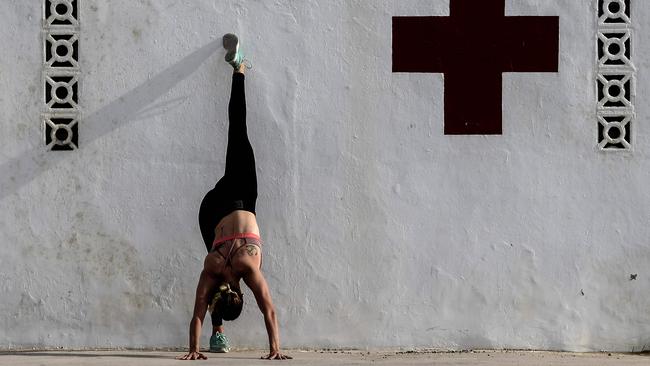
x=238, y=221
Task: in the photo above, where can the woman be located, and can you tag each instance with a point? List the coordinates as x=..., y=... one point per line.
x=230, y=232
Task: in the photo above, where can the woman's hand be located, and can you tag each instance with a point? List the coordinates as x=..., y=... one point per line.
x=192, y=356
x=276, y=356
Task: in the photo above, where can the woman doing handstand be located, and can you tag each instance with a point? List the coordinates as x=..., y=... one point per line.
x=230, y=232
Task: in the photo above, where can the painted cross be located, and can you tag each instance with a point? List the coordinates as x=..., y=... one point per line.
x=473, y=47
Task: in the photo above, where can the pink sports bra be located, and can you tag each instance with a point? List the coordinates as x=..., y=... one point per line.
x=249, y=238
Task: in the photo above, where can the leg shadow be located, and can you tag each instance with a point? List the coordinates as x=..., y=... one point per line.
x=66, y=354
x=21, y=170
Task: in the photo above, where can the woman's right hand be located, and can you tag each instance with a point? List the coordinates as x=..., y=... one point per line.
x=192, y=356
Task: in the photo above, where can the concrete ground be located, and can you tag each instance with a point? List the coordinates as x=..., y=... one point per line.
x=485, y=358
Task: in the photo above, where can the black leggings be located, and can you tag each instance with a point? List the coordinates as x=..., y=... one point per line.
x=237, y=189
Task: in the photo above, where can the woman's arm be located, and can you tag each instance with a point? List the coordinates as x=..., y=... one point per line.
x=206, y=283
x=256, y=282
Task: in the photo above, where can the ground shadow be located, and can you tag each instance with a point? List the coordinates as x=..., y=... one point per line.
x=78, y=354
x=19, y=171
x=171, y=356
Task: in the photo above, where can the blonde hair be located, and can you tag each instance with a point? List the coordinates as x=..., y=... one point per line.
x=227, y=303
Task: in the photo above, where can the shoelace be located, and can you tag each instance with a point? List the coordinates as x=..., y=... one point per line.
x=246, y=62
x=221, y=338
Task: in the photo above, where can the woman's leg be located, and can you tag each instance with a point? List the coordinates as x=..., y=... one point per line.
x=217, y=323
x=240, y=181
x=240, y=160
x=207, y=218
x=207, y=223
x=218, y=341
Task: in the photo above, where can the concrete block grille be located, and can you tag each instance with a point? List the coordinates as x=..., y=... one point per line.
x=61, y=92
x=614, y=90
x=614, y=12
x=61, y=50
x=615, y=130
x=615, y=78
x=61, y=71
x=61, y=13
x=61, y=133
x=614, y=48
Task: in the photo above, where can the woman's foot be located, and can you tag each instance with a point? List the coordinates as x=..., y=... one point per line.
x=219, y=343
x=233, y=55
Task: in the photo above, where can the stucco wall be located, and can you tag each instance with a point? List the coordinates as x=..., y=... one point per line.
x=379, y=230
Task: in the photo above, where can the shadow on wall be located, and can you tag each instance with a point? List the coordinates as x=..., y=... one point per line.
x=24, y=168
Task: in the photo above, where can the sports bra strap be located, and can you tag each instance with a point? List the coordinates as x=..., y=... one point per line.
x=235, y=236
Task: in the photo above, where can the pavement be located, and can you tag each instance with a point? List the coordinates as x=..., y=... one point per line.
x=328, y=357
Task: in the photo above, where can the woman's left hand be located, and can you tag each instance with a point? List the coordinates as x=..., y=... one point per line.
x=192, y=356
x=276, y=356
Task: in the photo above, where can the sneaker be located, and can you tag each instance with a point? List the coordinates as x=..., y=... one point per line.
x=233, y=55
x=219, y=343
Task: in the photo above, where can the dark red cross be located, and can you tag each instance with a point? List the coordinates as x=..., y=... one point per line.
x=473, y=47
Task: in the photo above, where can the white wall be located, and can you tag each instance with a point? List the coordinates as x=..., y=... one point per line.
x=380, y=231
